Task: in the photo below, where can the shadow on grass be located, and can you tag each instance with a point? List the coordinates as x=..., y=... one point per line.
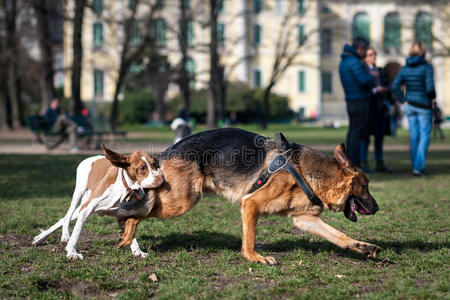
x=215, y=241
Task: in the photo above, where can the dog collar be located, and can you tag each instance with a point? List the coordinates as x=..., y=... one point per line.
x=281, y=162
x=131, y=193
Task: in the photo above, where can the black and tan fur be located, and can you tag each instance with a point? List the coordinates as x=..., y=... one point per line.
x=228, y=161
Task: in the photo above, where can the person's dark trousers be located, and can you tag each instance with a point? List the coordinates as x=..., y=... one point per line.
x=358, y=115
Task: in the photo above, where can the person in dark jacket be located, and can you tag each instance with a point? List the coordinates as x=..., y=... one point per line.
x=60, y=122
x=357, y=84
x=378, y=115
x=417, y=76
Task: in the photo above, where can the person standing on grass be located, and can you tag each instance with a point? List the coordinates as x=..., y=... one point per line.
x=357, y=84
x=378, y=115
x=60, y=122
x=417, y=76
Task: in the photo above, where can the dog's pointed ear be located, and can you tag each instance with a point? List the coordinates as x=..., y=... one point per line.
x=282, y=142
x=118, y=160
x=341, y=156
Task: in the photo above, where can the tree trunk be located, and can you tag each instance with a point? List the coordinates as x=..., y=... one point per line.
x=76, y=105
x=185, y=78
x=211, y=118
x=125, y=64
x=159, y=103
x=265, y=110
x=48, y=89
x=12, y=56
x=222, y=94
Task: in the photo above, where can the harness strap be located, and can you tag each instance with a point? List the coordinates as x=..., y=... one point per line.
x=281, y=162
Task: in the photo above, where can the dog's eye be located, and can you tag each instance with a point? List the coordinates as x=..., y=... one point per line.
x=143, y=168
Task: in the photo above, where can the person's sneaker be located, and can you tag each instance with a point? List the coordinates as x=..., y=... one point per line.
x=418, y=173
x=381, y=167
x=74, y=149
x=365, y=167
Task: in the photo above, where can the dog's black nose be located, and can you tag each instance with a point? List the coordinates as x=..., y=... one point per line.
x=375, y=208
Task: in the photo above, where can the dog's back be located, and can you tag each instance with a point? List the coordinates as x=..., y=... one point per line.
x=227, y=157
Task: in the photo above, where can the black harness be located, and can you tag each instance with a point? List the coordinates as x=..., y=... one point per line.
x=281, y=162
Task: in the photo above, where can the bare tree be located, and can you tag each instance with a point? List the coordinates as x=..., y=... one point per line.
x=42, y=10
x=76, y=105
x=10, y=61
x=184, y=76
x=214, y=84
x=131, y=54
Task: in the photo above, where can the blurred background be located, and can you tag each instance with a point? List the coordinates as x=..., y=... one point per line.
x=253, y=61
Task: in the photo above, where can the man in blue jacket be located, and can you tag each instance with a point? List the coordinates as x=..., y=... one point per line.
x=358, y=86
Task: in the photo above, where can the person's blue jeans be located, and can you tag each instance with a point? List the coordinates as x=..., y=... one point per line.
x=420, y=125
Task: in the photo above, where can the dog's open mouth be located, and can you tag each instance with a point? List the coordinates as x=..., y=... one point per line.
x=354, y=205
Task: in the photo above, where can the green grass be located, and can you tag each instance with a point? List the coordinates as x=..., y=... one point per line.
x=298, y=133
x=198, y=254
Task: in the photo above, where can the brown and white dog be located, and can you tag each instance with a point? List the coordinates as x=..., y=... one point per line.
x=102, y=183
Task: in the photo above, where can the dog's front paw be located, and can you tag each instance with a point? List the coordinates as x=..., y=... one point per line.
x=255, y=257
x=370, y=250
x=73, y=255
x=139, y=253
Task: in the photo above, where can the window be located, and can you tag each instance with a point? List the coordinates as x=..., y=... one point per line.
x=279, y=7
x=186, y=4
x=135, y=34
x=98, y=35
x=361, y=26
x=256, y=35
x=327, y=82
x=257, y=78
x=160, y=32
x=392, y=33
x=423, y=29
x=257, y=6
x=301, y=35
x=131, y=4
x=98, y=82
x=326, y=41
x=190, y=68
x=159, y=4
x=220, y=6
x=97, y=6
x=221, y=34
x=301, y=7
x=190, y=33
x=301, y=81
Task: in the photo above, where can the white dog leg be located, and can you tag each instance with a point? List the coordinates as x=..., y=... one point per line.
x=136, y=250
x=45, y=234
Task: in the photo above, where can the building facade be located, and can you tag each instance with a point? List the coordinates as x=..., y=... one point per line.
x=312, y=31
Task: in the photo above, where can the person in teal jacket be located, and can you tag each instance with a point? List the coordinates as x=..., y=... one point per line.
x=417, y=77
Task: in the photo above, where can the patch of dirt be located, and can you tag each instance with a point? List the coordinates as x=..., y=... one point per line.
x=15, y=239
x=82, y=289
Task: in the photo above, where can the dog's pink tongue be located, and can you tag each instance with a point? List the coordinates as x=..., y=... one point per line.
x=353, y=206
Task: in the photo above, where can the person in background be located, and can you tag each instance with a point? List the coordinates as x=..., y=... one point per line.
x=417, y=76
x=378, y=116
x=357, y=84
x=58, y=122
x=181, y=125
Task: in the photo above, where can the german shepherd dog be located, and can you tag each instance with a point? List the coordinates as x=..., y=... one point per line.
x=230, y=161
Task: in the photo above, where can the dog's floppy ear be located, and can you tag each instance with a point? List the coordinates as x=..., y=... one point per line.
x=341, y=156
x=118, y=160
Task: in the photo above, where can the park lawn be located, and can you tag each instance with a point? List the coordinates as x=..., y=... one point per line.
x=301, y=133
x=198, y=254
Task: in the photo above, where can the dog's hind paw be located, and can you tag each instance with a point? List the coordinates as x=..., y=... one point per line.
x=72, y=255
x=37, y=240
